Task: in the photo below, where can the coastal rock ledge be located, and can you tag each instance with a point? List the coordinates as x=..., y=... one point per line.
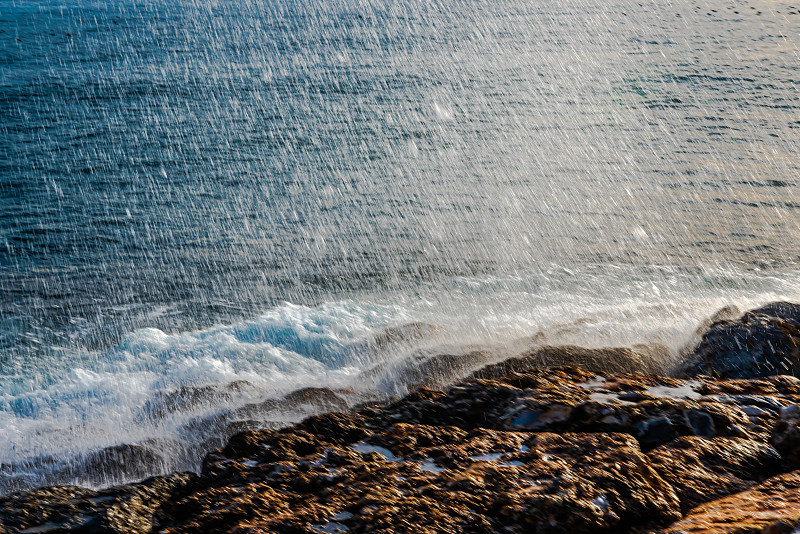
x=559, y=450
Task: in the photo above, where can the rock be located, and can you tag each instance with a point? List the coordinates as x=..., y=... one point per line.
x=315, y=398
x=515, y=450
x=652, y=420
x=608, y=360
x=130, y=509
x=655, y=430
x=763, y=342
x=118, y=463
x=422, y=369
x=187, y=398
x=703, y=469
x=406, y=334
x=781, y=385
x=587, y=483
x=439, y=479
x=337, y=428
x=786, y=436
x=770, y=507
x=727, y=313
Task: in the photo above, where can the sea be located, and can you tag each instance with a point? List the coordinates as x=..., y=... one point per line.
x=221, y=215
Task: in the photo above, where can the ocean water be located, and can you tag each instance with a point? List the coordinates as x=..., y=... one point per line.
x=208, y=206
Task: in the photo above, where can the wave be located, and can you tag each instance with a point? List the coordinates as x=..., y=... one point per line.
x=157, y=401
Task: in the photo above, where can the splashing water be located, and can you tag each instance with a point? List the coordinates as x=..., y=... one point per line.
x=209, y=208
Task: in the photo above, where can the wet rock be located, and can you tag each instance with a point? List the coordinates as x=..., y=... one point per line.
x=588, y=482
x=770, y=507
x=131, y=509
x=700, y=422
x=703, y=469
x=189, y=398
x=765, y=403
x=337, y=428
x=316, y=398
x=727, y=313
x=439, y=479
x=118, y=462
x=515, y=450
x=763, y=342
x=608, y=360
x=786, y=436
x=653, y=421
x=404, y=334
x=656, y=430
x=423, y=369
x=536, y=416
x=782, y=385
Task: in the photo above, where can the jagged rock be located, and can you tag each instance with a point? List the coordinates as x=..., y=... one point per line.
x=404, y=334
x=649, y=408
x=130, y=509
x=605, y=360
x=786, y=435
x=318, y=398
x=703, y=469
x=125, y=461
x=783, y=385
x=770, y=507
x=187, y=398
x=509, y=450
x=763, y=342
x=337, y=428
x=727, y=313
x=438, y=479
x=422, y=369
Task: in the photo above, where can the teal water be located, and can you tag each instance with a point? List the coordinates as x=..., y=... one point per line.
x=193, y=194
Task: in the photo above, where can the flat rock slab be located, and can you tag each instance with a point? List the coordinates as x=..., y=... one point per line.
x=770, y=507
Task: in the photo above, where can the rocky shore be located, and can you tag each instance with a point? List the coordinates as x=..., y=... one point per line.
x=514, y=448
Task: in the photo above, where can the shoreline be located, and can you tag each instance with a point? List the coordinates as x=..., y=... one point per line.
x=513, y=448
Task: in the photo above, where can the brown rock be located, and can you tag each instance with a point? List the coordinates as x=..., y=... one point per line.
x=522, y=450
x=422, y=478
x=786, y=435
x=587, y=483
x=703, y=469
x=605, y=360
x=130, y=509
x=770, y=507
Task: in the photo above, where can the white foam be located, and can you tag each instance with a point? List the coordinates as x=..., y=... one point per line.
x=79, y=401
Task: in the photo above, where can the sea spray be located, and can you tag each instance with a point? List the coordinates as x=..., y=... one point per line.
x=169, y=398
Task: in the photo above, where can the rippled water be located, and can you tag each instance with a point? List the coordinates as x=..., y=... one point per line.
x=194, y=195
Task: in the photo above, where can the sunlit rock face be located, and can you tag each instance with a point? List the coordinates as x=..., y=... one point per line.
x=512, y=449
x=762, y=342
x=769, y=507
x=129, y=509
x=701, y=469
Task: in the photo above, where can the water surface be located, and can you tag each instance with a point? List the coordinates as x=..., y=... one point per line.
x=200, y=194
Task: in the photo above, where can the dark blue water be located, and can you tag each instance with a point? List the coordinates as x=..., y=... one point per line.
x=197, y=193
